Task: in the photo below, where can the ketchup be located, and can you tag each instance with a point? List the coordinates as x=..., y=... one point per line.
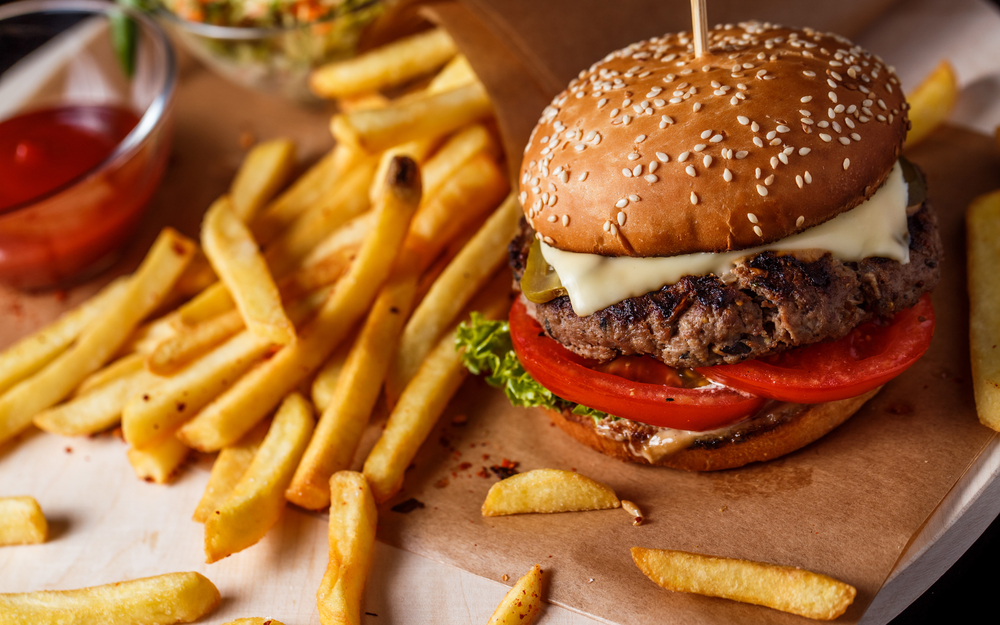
x=67, y=204
x=43, y=150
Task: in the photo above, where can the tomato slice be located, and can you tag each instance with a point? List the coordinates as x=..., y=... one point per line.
x=868, y=357
x=570, y=377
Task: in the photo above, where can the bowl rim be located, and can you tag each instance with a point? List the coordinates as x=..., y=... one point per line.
x=241, y=33
x=150, y=119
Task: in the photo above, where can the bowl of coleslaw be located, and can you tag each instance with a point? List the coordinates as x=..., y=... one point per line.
x=269, y=45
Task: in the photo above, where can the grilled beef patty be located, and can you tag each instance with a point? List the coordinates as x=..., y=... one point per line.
x=774, y=301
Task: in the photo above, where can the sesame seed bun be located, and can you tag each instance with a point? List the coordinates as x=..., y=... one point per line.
x=653, y=152
x=808, y=423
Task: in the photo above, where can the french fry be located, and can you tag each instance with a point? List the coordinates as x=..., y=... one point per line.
x=310, y=188
x=546, y=491
x=255, y=620
x=427, y=116
x=783, y=588
x=159, y=600
x=418, y=150
x=101, y=339
x=353, y=519
x=159, y=462
x=456, y=73
x=325, y=382
x=228, y=468
x=22, y=521
x=983, y=240
x=310, y=228
x=931, y=102
x=455, y=153
x=237, y=261
x=359, y=383
x=174, y=353
x=121, y=367
x=264, y=170
x=465, y=275
x=97, y=410
x=362, y=102
x=422, y=402
x=521, y=603
x=33, y=352
x=232, y=414
x=386, y=66
x=258, y=498
x=317, y=275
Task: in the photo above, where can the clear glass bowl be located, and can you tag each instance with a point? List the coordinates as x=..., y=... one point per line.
x=60, y=60
x=275, y=60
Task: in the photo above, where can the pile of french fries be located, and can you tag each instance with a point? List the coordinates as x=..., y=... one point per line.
x=273, y=339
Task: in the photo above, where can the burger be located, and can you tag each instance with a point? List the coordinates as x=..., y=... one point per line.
x=723, y=257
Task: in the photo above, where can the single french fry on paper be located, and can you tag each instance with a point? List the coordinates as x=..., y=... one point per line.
x=228, y=468
x=421, y=403
x=931, y=102
x=265, y=169
x=237, y=261
x=259, y=497
x=236, y=411
x=454, y=288
x=546, y=491
x=97, y=410
x=160, y=600
x=983, y=242
x=521, y=604
x=785, y=588
x=102, y=338
x=22, y=521
x=386, y=66
x=159, y=462
x=30, y=354
x=430, y=115
x=353, y=519
x=359, y=383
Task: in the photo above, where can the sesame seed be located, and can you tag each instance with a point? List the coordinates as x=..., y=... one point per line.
x=651, y=178
x=653, y=165
x=761, y=189
x=807, y=98
x=808, y=178
x=716, y=138
x=696, y=107
x=683, y=156
x=582, y=176
x=668, y=119
x=772, y=134
x=798, y=181
x=847, y=163
x=727, y=175
x=801, y=220
x=634, y=156
x=580, y=147
x=783, y=158
x=675, y=100
x=622, y=203
x=774, y=162
x=742, y=154
x=627, y=172
x=757, y=229
x=640, y=138
x=856, y=136
x=552, y=200
x=707, y=160
x=754, y=126
x=845, y=141
x=881, y=104
x=637, y=171
x=633, y=197
x=548, y=240
x=835, y=126
x=782, y=129
x=758, y=142
x=626, y=119
x=743, y=119
x=757, y=173
x=662, y=157
x=825, y=137
x=706, y=134
x=551, y=218
x=769, y=180
x=691, y=171
x=700, y=147
x=808, y=73
x=602, y=102
x=565, y=220
x=621, y=218
x=752, y=218
x=830, y=82
x=614, y=112
x=614, y=230
x=694, y=198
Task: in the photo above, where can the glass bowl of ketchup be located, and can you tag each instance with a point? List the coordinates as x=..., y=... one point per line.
x=86, y=92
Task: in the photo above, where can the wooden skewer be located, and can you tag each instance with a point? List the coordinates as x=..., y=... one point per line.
x=699, y=24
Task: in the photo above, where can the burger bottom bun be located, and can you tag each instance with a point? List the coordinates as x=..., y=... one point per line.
x=808, y=424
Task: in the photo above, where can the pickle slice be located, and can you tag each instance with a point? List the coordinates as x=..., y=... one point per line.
x=540, y=283
x=916, y=185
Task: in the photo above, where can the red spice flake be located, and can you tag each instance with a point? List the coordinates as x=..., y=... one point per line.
x=505, y=469
x=407, y=506
x=900, y=408
x=247, y=139
x=459, y=420
x=486, y=456
x=484, y=472
x=442, y=483
x=69, y=450
x=464, y=466
x=456, y=455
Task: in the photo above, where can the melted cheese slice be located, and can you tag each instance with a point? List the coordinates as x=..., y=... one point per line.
x=875, y=228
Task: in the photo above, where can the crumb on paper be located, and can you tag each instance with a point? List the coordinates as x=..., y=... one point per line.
x=590, y=581
x=634, y=511
x=504, y=577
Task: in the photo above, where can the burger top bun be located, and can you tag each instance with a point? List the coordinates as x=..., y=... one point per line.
x=654, y=152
